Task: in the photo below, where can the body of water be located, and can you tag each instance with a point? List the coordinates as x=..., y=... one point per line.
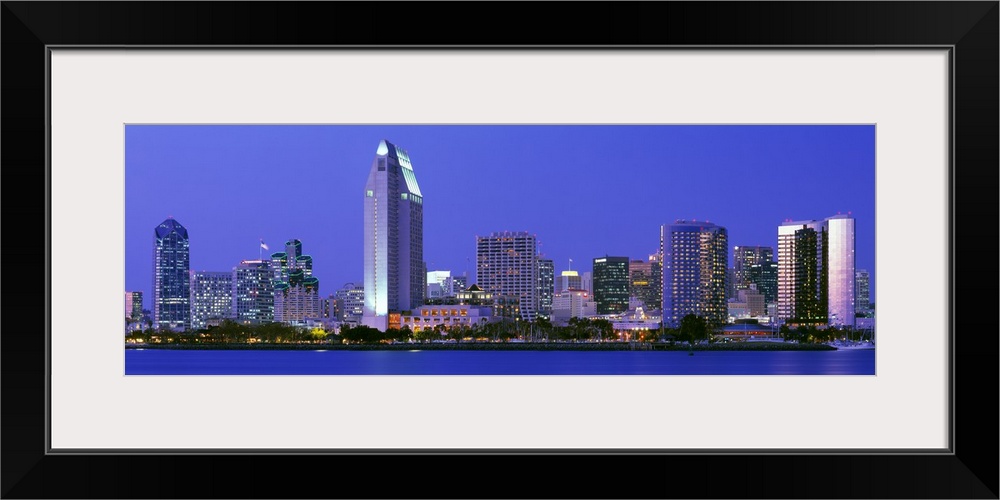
x=417, y=362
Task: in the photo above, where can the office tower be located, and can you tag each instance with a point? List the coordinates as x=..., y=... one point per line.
x=645, y=281
x=351, y=302
x=744, y=258
x=572, y=303
x=507, y=269
x=394, y=276
x=568, y=280
x=171, y=287
x=292, y=258
x=440, y=284
x=459, y=284
x=297, y=299
x=253, y=292
x=329, y=305
x=816, y=277
x=862, y=293
x=611, y=284
x=133, y=306
x=546, y=285
x=296, y=290
x=765, y=276
x=211, y=298
x=694, y=256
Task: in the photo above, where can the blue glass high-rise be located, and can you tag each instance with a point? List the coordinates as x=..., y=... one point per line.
x=171, y=277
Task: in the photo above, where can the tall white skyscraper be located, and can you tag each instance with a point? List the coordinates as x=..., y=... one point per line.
x=816, y=275
x=394, y=276
x=507, y=268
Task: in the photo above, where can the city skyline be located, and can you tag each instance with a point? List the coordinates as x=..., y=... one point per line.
x=584, y=191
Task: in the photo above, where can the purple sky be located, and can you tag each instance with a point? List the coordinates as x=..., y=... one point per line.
x=584, y=190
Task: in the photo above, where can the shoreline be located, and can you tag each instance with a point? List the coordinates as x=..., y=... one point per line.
x=505, y=346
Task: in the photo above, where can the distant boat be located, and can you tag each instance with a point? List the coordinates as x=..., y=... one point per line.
x=846, y=345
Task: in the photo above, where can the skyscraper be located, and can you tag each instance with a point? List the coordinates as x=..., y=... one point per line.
x=694, y=257
x=171, y=265
x=211, y=297
x=546, y=285
x=296, y=290
x=611, y=284
x=394, y=277
x=744, y=258
x=568, y=280
x=351, y=300
x=253, y=292
x=816, y=279
x=133, y=306
x=862, y=293
x=507, y=269
x=645, y=281
x=765, y=276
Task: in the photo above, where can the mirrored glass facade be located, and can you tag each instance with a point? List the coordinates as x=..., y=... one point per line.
x=816, y=275
x=611, y=284
x=171, y=285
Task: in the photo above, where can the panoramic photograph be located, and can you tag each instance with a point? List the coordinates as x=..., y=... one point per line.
x=499, y=250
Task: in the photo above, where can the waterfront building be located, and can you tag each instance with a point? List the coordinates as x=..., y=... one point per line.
x=637, y=322
x=253, y=292
x=507, y=268
x=862, y=293
x=296, y=290
x=446, y=317
x=133, y=306
x=474, y=296
x=211, y=297
x=171, y=278
x=394, y=272
x=297, y=299
x=694, y=256
x=816, y=275
x=645, y=281
x=133, y=312
x=350, y=302
x=611, y=284
x=571, y=303
x=546, y=285
x=587, y=282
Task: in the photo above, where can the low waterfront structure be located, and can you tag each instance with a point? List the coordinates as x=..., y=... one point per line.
x=446, y=316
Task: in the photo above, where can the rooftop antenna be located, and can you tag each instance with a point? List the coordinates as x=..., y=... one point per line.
x=570, y=265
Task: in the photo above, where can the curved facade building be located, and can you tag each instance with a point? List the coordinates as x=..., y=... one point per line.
x=694, y=257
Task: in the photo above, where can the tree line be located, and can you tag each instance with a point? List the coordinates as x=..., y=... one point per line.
x=692, y=329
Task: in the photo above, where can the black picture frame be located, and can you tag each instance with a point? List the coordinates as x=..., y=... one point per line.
x=970, y=28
